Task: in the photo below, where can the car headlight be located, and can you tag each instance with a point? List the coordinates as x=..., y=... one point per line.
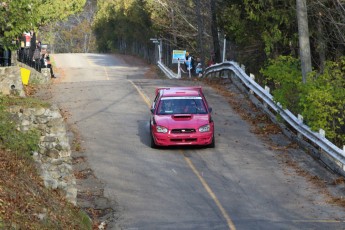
x=161, y=129
x=205, y=128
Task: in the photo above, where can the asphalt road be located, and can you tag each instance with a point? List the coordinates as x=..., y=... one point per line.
x=241, y=184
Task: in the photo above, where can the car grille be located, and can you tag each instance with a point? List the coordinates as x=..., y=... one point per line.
x=183, y=140
x=183, y=131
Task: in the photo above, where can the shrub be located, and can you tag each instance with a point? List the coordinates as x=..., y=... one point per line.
x=321, y=100
x=285, y=75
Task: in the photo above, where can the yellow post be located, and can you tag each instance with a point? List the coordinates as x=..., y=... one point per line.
x=25, y=74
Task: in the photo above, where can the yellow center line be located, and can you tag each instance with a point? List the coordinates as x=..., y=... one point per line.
x=146, y=99
x=91, y=63
x=211, y=193
x=196, y=172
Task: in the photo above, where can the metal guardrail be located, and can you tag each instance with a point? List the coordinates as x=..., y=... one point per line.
x=316, y=138
x=168, y=72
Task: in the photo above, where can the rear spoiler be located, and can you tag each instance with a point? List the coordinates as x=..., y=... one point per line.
x=198, y=88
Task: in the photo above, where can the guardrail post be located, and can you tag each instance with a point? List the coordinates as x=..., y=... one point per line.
x=253, y=78
x=322, y=132
x=300, y=119
x=243, y=67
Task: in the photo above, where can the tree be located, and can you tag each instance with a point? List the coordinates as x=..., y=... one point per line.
x=303, y=37
x=200, y=40
x=122, y=25
x=326, y=18
x=17, y=17
x=75, y=34
x=258, y=30
x=214, y=29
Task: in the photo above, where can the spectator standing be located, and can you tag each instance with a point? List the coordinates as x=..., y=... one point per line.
x=198, y=70
x=188, y=63
x=36, y=58
x=48, y=64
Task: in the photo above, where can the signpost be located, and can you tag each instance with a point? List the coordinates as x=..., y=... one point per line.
x=158, y=42
x=179, y=56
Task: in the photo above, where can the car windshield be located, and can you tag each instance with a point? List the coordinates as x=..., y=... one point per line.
x=181, y=105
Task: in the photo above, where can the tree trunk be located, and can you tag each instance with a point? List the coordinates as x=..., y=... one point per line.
x=303, y=34
x=173, y=26
x=321, y=44
x=200, y=33
x=214, y=28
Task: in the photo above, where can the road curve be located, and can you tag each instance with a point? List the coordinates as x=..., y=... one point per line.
x=241, y=184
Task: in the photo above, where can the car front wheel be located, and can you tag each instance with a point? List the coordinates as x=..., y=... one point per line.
x=213, y=143
x=152, y=141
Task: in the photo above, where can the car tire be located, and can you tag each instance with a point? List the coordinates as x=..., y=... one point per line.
x=152, y=142
x=213, y=143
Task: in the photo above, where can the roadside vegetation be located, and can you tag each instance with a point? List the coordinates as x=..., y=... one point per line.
x=259, y=34
x=321, y=100
x=262, y=35
x=265, y=36
x=25, y=203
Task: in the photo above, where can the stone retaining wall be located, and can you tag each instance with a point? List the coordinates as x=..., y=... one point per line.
x=10, y=81
x=54, y=156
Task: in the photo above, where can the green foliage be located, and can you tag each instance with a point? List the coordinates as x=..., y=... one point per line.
x=10, y=136
x=122, y=22
x=285, y=75
x=28, y=102
x=323, y=101
x=53, y=10
x=17, y=17
x=271, y=24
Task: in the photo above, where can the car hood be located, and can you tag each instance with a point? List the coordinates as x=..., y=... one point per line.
x=182, y=120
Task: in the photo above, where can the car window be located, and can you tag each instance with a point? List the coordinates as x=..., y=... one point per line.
x=153, y=106
x=181, y=105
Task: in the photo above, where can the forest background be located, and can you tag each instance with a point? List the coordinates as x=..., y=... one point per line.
x=263, y=35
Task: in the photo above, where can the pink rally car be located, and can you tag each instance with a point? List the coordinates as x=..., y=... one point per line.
x=180, y=116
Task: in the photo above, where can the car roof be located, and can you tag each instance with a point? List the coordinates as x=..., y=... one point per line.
x=179, y=91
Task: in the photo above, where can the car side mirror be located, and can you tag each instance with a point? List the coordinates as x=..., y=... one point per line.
x=152, y=110
x=210, y=109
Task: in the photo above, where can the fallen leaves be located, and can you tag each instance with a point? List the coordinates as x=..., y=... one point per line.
x=23, y=196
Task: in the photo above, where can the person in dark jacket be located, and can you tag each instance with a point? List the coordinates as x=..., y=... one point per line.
x=48, y=64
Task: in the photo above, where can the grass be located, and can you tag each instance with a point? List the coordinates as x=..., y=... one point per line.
x=27, y=102
x=10, y=137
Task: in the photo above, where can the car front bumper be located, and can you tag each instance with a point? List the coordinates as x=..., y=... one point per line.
x=165, y=139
